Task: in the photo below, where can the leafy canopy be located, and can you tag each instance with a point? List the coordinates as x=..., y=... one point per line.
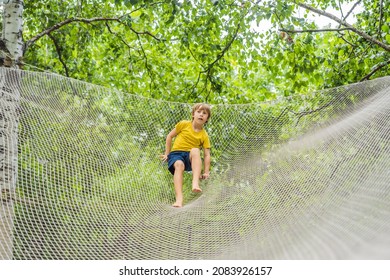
x=216, y=51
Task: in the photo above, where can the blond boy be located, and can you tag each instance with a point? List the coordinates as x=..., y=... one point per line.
x=190, y=138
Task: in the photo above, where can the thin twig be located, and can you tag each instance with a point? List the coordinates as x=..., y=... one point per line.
x=116, y=34
x=351, y=10
x=377, y=68
x=305, y=113
x=346, y=41
x=341, y=10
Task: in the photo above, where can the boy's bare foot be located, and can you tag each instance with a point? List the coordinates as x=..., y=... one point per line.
x=196, y=190
x=177, y=204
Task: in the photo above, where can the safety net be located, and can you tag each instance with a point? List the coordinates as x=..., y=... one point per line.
x=81, y=176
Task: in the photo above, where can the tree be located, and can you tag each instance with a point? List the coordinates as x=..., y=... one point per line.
x=10, y=56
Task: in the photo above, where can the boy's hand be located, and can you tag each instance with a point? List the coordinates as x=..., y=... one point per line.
x=164, y=157
x=205, y=176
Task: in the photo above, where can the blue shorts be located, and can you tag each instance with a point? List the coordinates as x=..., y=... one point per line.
x=179, y=155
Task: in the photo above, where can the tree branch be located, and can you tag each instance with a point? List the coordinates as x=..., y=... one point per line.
x=58, y=49
x=314, y=30
x=351, y=10
x=145, y=33
x=377, y=68
x=226, y=48
x=341, y=10
x=380, y=18
x=148, y=68
x=62, y=24
x=83, y=20
x=220, y=55
x=116, y=34
x=343, y=23
x=346, y=41
x=305, y=113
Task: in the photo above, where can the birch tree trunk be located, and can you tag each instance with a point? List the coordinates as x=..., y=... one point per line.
x=11, y=52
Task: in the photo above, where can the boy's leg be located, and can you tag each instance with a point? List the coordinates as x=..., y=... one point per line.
x=178, y=183
x=196, y=165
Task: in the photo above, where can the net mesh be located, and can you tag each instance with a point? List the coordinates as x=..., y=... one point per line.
x=287, y=183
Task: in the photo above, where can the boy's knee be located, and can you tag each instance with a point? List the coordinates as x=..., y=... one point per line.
x=179, y=165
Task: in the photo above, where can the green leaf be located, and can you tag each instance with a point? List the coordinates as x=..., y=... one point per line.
x=388, y=38
x=171, y=19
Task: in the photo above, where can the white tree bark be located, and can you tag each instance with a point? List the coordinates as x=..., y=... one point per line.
x=11, y=52
x=12, y=43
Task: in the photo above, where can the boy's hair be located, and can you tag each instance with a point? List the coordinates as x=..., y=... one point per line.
x=202, y=106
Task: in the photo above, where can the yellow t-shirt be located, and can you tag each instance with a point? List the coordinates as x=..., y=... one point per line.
x=187, y=138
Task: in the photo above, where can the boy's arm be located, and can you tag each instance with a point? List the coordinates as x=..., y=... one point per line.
x=168, y=144
x=207, y=162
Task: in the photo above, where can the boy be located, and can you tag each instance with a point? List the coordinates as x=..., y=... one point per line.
x=185, y=154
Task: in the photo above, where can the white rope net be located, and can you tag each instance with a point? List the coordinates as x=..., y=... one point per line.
x=81, y=176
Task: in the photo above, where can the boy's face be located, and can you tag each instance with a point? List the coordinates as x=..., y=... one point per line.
x=200, y=116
